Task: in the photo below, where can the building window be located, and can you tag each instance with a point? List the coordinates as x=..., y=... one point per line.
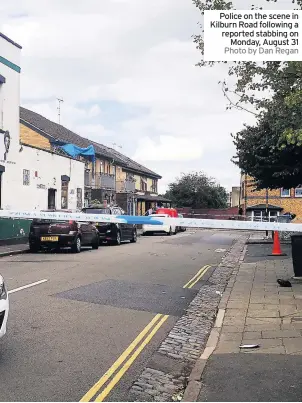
x=260, y=215
x=298, y=192
x=102, y=167
x=129, y=176
x=154, y=185
x=26, y=177
x=143, y=185
x=285, y=192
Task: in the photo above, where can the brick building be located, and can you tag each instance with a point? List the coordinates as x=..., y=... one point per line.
x=278, y=201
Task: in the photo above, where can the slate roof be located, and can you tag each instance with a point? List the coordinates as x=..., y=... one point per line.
x=53, y=130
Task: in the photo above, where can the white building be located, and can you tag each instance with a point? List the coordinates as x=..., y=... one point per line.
x=30, y=178
x=47, y=181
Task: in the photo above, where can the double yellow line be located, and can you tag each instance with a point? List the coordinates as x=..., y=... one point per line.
x=197, y=277
x=123, y=363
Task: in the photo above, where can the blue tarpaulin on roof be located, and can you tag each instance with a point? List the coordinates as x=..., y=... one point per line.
x=74, y=151
x=57, y=142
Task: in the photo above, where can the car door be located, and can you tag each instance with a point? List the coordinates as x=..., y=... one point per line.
x=91, y=231
x=123, y=227
x=128, y=228
x=84, y=226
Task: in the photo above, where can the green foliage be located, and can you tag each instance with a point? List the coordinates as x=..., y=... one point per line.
x=271, y=150
x=255, y=82
x=268, y=156
x=196, y=190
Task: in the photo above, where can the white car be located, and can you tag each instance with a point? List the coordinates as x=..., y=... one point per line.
x=150, y=228
x=4, y=307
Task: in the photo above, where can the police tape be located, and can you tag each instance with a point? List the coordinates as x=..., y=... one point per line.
x=153, y=220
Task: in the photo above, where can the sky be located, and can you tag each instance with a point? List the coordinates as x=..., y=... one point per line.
x=126, y=70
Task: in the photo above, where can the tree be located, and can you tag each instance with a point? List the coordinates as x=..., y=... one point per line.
x=272, y=91
x=256, y=82
x=260, y=154
x=196, y=190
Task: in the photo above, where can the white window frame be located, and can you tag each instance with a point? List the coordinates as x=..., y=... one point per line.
x=282, y=190
x=300, y=188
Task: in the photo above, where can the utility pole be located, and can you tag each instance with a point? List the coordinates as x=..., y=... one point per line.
x=60, y=100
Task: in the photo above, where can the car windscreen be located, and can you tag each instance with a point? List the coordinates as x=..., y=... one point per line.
x=96, y=211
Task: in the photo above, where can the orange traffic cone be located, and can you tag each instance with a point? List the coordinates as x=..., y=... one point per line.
x=276, y=246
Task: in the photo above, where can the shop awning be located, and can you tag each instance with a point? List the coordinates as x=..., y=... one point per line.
x=262, y=206
x=152, y=198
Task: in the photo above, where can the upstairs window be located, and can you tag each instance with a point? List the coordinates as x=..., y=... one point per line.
x=298, y=192
x=143, y=185
x=154, y=185
x=285, y=192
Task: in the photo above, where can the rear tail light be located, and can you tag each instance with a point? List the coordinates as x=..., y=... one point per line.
x=71, y=222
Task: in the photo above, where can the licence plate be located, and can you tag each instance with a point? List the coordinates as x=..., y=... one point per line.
x=49, y=238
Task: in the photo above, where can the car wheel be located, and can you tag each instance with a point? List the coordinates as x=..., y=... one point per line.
x=95, y=244
x=76, y=247
x=34, y=248
x=170, y=232
x=118, y=238
x=134, y=236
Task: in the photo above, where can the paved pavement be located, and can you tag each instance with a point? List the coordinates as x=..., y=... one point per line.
x=257, y=311
x=66, y=332
x=7, y=250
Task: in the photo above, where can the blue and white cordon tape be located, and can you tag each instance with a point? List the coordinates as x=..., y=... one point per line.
x=128, y=219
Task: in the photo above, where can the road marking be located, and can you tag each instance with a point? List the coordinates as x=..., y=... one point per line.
x=127, y=365
x=141, y=341
x=95, y=388
x=27, y=286
x=196, y=275
x=199, y=277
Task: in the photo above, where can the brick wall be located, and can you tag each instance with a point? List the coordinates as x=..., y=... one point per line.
x=32, y=138
x=290, y=204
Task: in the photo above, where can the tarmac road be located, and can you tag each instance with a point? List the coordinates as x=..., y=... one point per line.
x=66, y=332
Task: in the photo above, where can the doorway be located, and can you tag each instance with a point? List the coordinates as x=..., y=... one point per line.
x=52, y=199
x=2, y=169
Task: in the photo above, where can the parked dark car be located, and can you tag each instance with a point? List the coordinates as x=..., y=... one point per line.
x=51, y=234
x=112, y=233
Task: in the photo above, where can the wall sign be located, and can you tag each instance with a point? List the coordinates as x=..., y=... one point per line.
x=5, y=140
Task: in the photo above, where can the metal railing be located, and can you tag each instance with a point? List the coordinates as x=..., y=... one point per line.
x=106, y=181
x=125, y=186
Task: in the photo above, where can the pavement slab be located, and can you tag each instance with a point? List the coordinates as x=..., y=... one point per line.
x=252, y=378
x=273, y=322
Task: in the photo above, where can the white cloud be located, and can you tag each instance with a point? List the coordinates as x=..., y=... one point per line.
x=111, y=56
x=168, y=148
